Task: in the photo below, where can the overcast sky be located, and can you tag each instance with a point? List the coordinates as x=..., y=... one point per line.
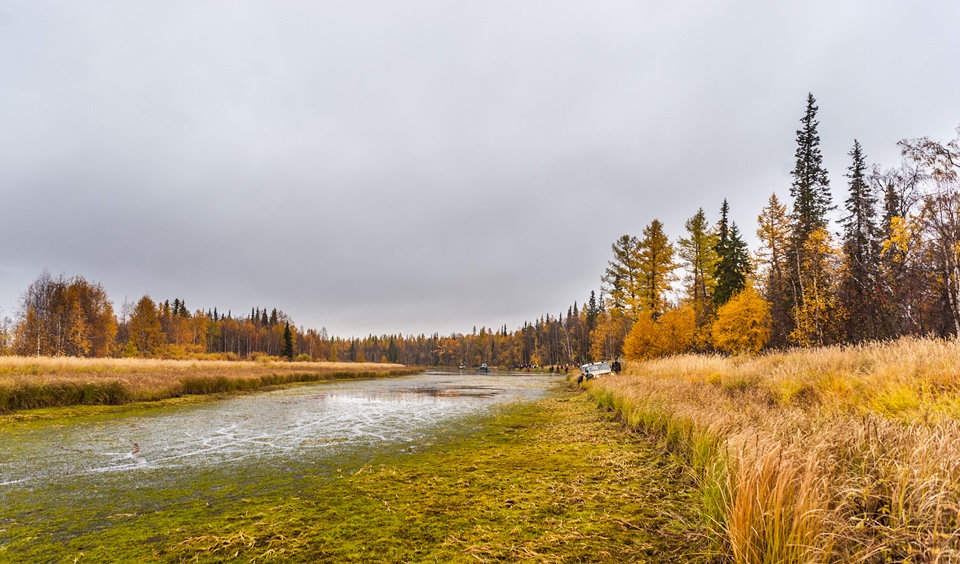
x=384, y=166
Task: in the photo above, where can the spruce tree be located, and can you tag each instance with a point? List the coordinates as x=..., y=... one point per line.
x=811, y=186
x=733, y=265
x=593, y=310
x=861, y=252
x=287, y=342
x=860, y=223
x=811, y=202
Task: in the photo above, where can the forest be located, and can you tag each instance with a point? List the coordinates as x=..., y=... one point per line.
x=891, y=270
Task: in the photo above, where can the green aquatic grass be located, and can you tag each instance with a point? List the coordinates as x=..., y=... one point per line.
x=551, y=481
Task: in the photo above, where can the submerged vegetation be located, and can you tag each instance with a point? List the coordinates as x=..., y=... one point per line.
x=832, y=454
x=30, y=383
x=549, y=481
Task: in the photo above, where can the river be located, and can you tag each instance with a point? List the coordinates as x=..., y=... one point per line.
x=302, y=424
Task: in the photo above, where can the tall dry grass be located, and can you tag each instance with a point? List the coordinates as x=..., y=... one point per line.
x=834, y=454
x=30, y=382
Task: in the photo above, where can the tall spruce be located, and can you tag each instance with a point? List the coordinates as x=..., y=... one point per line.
x=811, y=202
x=733, y=262
x=811, y=186
x=859, y=287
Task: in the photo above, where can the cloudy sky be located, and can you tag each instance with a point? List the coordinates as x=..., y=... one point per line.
x=383, y=166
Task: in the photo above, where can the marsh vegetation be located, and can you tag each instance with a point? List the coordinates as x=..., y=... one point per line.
x=37, y=382
x=833, y=454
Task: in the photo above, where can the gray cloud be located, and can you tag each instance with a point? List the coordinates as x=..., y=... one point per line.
x=424, y=166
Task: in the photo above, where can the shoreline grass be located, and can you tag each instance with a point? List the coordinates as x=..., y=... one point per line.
x=836, y=454
x=32, y=383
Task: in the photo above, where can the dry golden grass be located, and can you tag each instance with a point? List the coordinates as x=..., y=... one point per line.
x=31, y=382
x=848, y=454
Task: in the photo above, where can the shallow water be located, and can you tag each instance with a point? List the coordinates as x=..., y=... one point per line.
x=313, y=422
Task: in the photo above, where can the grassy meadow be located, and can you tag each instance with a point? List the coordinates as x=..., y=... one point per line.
x=836, y=454
x=38, y=382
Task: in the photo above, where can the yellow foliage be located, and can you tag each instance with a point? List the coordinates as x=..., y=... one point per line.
x=674, y=332
x=606, y=339
x=904, y=233
x=743, y=323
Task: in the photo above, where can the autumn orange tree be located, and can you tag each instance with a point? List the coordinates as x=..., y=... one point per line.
x=65, y=317
x=743, y=323
x=146, y=333
x=607, y=338
x=655, y=263
x=673, y=332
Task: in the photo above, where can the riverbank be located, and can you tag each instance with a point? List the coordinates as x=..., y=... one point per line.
x=545, y=481
x=32, y=383
x=821, y=455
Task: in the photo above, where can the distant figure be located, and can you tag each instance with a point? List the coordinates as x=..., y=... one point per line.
x=615, y=366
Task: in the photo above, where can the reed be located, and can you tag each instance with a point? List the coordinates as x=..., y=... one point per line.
x=31, y=383
x=839, y=453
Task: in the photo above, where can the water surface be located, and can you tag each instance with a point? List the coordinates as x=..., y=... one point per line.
x=304, y=423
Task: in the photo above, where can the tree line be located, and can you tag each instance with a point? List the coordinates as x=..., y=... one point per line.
x=61, y=316
x=891, y=270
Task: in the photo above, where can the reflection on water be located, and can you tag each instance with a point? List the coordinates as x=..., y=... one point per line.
x=310, y=421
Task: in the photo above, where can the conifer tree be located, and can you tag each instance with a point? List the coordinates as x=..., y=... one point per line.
x=655, y=267
x=743, y=323
x=811, y=202
x=732, y=259
x=698, y=250
x=859, y=286
x=811, y=186
x=287, y=342
x=621, y=277
x=733, y=265
x=773, y=231
x=592, y=309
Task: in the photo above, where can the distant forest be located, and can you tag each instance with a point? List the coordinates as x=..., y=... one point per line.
x=892, y=269
x=73, y=317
